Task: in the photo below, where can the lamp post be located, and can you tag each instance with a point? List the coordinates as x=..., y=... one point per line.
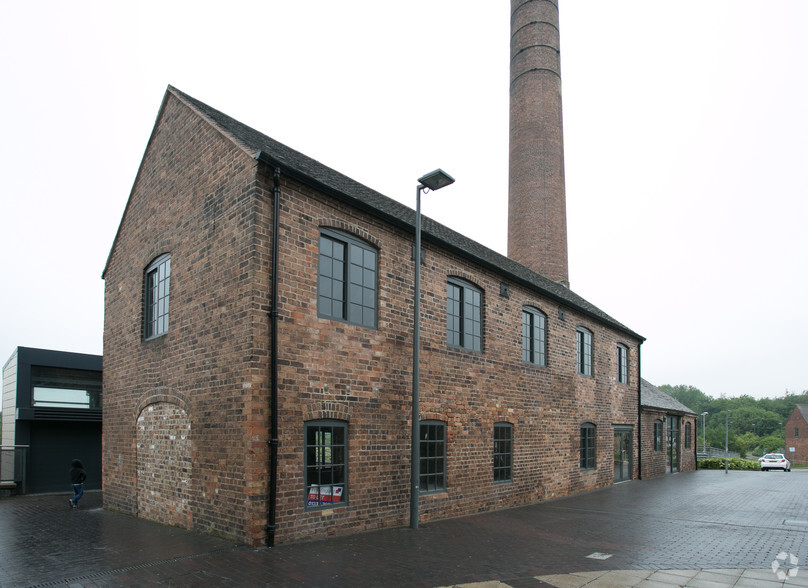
x=432, y=181
x=726, y=443
x=704, y=432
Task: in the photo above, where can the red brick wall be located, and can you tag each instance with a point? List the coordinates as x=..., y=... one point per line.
x=193, y=198
x=654, y=463
x=334, y=370
x=799, y=443
x=687, y=460
x=199, y=198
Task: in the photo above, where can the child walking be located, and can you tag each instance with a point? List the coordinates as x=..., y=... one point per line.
x=77, y=477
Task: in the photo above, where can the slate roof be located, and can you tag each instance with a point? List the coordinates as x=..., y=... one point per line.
x=321, y=177
x=653, y=397
x=803, y=408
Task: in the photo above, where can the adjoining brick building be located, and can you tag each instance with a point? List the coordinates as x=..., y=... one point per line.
x=796, y=435
x=668, y=433
x=271, y=399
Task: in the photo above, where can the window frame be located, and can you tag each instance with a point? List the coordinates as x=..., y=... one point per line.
x=530, y=340
x=584, y=354
x=432, y=453
x=622, y=364
x=58, y=388
x=503, y=453
x=334, y=454
x=156, y=301
x=354, y=295
x=588, y=447
x=462, y=334
x=658, y=434
x=688, y=434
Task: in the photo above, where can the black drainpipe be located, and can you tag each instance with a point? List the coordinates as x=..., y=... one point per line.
x=639, y=414
x=273, y=360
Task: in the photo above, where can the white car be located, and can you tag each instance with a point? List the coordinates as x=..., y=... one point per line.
x=775, y=461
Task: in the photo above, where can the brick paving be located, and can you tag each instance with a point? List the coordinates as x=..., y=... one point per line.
x=704, y=520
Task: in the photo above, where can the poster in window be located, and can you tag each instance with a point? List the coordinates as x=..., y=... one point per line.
x=320, y=495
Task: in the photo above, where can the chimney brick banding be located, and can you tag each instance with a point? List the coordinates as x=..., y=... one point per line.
x=537, y=216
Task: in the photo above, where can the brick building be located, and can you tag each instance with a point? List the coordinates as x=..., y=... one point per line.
x=797, y=435
x=668, y=433
x=271, y=400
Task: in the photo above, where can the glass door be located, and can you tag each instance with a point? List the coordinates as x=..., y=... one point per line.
x=672, y=465
x=622, y=454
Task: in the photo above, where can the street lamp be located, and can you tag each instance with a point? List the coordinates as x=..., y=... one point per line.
x=726, y=443
x=432, y=181
x=703, y=432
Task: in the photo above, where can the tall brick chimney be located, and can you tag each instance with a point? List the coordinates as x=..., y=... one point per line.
x=537, y=212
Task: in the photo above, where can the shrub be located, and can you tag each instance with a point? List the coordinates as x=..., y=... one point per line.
x=735, y=463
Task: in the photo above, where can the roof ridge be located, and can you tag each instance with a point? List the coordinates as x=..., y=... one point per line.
x=318, y=175
x=194, y=105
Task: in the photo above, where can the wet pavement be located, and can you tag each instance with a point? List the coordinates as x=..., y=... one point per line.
x=705, y=528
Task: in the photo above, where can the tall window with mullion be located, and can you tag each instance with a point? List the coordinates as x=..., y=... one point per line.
x=584, y=351
x=325, y=463
x=433, y=457
x=587, y=448
x=464, y=315
x=158, y=278
x=503, y=452
x=347, y=283
x=622, y=364
x=657, y=435
x=534, y=336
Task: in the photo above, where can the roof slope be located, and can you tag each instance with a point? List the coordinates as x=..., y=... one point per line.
x=313, y=173
x=653, y=397
x=803, y=408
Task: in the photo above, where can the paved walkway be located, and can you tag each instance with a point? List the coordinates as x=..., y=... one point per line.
x=704, y=528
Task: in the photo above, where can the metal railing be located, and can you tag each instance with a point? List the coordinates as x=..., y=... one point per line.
x=13, y=471
x=709, y=452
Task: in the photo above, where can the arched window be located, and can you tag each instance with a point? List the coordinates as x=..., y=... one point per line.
x=326, y=463
x=588, y=446
x=503, y=452
x=534, y=336
x=657, y=435
x=156, y=297
x=464, y=315
x=584, y=351
x=432, y=441
x=347, y=282
x=622, y=364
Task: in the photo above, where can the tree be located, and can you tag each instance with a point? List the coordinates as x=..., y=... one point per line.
x=749, y=419
x=770, y=444
x=743, y=444
x=690, y=396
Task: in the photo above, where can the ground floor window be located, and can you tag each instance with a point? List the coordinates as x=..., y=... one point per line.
x=503, y=452
x=433, y=457
x=326, y=463
x=657, y=435
x=587, y=446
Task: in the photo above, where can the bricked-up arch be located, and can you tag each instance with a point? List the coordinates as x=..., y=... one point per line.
x=164, y=467
x=327, y=409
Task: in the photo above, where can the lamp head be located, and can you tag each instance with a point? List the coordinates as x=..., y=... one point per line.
x=436, y=180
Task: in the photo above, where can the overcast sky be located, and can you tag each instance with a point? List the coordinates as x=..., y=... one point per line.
x=685, y=129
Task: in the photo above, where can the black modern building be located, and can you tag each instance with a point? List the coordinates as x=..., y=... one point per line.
x=51, y=415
